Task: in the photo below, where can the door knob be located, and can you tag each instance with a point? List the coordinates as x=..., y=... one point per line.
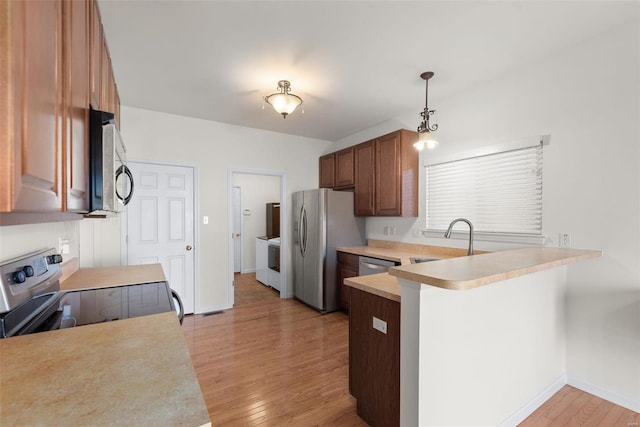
x=189, y=247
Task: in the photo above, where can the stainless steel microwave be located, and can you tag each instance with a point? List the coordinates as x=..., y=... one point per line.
x=111, y=184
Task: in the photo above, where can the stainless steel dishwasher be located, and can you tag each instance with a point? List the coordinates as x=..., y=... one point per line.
x=368, y=266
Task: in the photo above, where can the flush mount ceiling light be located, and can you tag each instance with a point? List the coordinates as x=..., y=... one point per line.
x=284, y=102
x=425, y=138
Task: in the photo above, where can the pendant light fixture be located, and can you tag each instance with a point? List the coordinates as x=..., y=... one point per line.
x=425, y=138
x=284, y=102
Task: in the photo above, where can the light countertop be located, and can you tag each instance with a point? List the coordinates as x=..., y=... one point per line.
x=86, y=278
x=454, y=270
x=382, y=284
x=128, y=372
x=471, y=272
x=402, y=252
x=135, y=371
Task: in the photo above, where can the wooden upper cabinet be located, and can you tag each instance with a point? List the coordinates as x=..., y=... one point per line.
x=50, y=72
x=327, y=171
x=31, y=106
x=95, y=55
x=103, y=94
x=396, y=175
x=77, y=90
x=345, y=169
x=388, y=176
x=364, y=197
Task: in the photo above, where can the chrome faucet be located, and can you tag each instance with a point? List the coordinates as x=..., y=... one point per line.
x=448, y=233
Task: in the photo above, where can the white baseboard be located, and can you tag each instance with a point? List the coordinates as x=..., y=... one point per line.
x=602, y=393
x=248, y=270
x=210, y=309
x=535, y=402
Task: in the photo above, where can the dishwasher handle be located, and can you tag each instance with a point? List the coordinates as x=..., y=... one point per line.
x=374, y=266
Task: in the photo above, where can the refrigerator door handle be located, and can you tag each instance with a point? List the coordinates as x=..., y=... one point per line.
x=305, y=232
x=300, y=225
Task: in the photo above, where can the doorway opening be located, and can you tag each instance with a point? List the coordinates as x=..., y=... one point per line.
x=256, y=199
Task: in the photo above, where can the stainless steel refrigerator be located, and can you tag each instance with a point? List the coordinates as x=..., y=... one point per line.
x=322, y=220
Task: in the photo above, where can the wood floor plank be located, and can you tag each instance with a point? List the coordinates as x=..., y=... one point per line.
x=274, y=362
x=599, y=414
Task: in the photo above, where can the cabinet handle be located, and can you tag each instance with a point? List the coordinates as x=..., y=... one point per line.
x=374, y=266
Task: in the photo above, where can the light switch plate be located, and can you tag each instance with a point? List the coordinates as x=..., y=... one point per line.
x=205, y=220
x=379, y=325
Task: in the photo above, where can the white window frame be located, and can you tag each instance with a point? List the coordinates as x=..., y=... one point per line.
x=461, y=230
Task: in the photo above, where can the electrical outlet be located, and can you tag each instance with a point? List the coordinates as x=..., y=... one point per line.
x=379, y=325
x=387, y=231
x=205, y=220
x=393, y=231
x=564, y=240
x=63, y=246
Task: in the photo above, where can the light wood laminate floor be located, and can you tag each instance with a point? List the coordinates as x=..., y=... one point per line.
x=247, y=290
x=276, y=362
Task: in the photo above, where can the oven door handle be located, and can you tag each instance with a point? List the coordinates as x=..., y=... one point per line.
x=124, y=169
x=177, y=299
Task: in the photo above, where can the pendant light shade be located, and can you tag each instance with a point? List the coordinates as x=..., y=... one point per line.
x=284, y=102
x=425, y=137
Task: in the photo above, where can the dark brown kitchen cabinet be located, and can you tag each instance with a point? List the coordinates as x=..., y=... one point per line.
x=344, y=169
x=374, y=358
x=31, y=109
x=397, y=175
x=364, y=197
x=347, y=267
x=327, y=171
x=387, y=176
x=49, y=74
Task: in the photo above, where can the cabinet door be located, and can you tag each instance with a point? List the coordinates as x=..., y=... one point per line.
x=345, y=174
x=95, y=54
x=387, y=176
x=106, y=79
x=327, y=165
x=77, y=87
x=30, y=106
x=347, y=267
x=364, y=180
x=374, y=358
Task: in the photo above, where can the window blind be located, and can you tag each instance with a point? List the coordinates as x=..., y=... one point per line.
x=499, y=193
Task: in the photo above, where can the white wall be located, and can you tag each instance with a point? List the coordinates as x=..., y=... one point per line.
x=484, y=353
x=587, y=99
x=16, y=240
x=100, y=242
x=216, y=148
x=257, y=191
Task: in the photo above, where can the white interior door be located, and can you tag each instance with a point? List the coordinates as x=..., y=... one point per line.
x=160, y=224
x=237, y=229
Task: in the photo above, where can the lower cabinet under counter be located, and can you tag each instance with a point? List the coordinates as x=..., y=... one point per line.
x=374, y=358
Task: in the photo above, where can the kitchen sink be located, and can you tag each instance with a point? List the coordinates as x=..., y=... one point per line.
x=415, y=260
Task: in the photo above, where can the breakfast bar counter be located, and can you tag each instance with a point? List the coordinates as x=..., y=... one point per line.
x=471, y=272
x=444, y=334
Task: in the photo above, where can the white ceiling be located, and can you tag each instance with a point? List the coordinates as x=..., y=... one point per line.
x=355, y=64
